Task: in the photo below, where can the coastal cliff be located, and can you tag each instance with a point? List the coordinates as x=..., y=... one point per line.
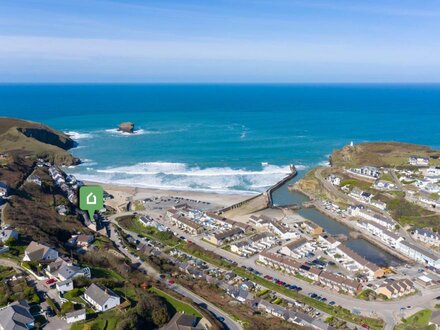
x=35, y=140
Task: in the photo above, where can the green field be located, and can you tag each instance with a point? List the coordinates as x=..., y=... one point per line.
x=417, y=321
x=103, y=321
x=105, y=273
x=178, y=305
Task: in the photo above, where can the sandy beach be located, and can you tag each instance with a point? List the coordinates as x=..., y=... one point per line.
x=124, y=194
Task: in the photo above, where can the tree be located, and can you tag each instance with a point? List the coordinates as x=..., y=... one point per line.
x=81, y=281
x=128, y=323
x=153, y=309
x=160, y=316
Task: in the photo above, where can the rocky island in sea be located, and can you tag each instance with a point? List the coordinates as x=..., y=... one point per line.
x=126, y=127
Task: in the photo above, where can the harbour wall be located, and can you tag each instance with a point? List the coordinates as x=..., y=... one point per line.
x=256, y=203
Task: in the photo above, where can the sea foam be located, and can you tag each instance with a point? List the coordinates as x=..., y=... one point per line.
x=78, y=136
x=181, y=176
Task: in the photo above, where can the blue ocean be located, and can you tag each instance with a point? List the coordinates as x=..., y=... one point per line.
x=222, y=138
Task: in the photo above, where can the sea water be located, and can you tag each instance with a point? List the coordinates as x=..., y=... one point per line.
x=222, y=138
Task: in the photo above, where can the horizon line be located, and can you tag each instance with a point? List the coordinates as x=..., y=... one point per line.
x=213, y=83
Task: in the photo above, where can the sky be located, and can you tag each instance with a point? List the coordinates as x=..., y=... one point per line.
x=255, y=41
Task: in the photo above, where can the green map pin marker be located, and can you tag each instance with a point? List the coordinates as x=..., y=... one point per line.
x=91, y=199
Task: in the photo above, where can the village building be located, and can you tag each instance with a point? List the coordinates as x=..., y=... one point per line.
x=181, y=321
x=7, y=233
x=39, y=252
x=252, y=245
x=356, y=262
x=64, y=286
x=76, y=316
x=101, y=298
x=367, y=214
x=418, y=161
x=16, y=316
x=225, y=236
x=369, y=172
x=334, y=180
x=340, y=283
x=187, y=224
x=361, y=196
x=418, y=254
x=427, y=236
x=298, y=249
x=312, y=227
x=381, y=232
x=396, y=289
x=384, y=185
x=433, y=171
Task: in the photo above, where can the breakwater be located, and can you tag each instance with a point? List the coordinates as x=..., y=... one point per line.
x=259, y=202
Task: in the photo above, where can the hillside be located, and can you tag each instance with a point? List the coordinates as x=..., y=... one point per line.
x=36, y=141
x=31, y=210
x=387, y=154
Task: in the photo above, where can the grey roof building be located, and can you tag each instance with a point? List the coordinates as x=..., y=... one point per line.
x=101, y=298
x=16, y=316
x=181, y=322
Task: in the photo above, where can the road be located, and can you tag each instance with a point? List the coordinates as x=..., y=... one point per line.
x=389, y=311
x=228, y=321
x=54, y=322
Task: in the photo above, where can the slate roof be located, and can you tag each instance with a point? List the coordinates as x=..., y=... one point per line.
x=99, y=295
x=16, y=316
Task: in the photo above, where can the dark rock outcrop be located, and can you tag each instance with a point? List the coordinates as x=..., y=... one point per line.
x=45, y=135
x=126, y=127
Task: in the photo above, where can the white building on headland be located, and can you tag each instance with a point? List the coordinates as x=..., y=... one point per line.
x=427, y=236
x=418, y=161
x=364, y=213
x=433, y=171
x=334, y=180
x=369, y=172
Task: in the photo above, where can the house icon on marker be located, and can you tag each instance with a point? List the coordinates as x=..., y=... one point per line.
x=91, y=199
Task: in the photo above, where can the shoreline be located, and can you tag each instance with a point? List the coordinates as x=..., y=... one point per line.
x=123, y=194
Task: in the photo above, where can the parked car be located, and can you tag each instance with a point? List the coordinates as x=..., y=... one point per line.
x=51, y=281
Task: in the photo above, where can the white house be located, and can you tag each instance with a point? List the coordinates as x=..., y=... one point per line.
x=39, y=252
x=418, y=254
x=364, y=213
x=101, y=298
x=381, y=232
x=298, y=249
x=334, y=180
x=427, y=236
x=418, y=161
x=384, y=185
x=362, y=196
x=369, y=172
x=64, y=286
x=6, y=233
x=76, y=316
x=433, y=171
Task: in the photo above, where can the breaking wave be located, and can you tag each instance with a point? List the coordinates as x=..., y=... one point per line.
x=115, y=131
x=181, y=176
x=78, y=136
